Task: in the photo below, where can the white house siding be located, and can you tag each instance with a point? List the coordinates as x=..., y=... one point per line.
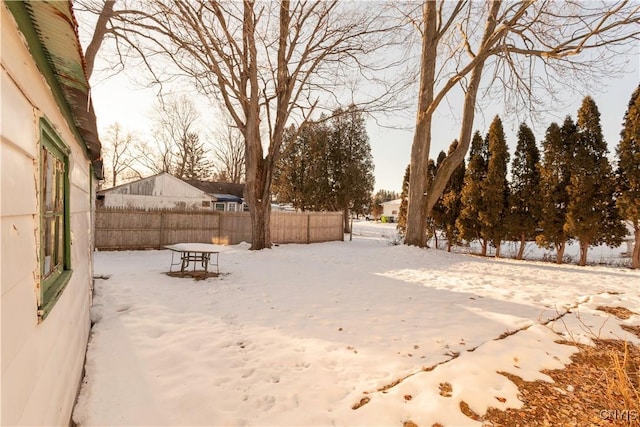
x=41, y=362
x=391, y=208
x=153, y=202
x=161, y=191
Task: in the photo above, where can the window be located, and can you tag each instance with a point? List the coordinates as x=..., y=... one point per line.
x=55, y=266
x=232, y=207
x=206, y=204
x=219, y=207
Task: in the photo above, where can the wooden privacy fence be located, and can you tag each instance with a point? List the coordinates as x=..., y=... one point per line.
x=121, y=229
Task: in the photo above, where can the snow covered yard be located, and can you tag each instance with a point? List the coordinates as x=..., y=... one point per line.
x=303, y=334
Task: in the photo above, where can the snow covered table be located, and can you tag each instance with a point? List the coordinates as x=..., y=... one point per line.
x=202, y=253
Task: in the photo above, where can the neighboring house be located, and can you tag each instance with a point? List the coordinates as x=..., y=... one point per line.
x=165, y=191
x=391, y=209
x=49, y=163
x=161, y=191
x=228, y=196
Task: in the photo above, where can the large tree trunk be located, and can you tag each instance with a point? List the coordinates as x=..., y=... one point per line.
x=498, y=244
x=258, y=197
x=347, y=228
x=483, y=244
x=560, y=252
x=259, y=169
x=99, y=35
x=635, y=256
x=260, y=225
x=418, y=179
x=423, y=195
x=584, y=248
x=523, y=242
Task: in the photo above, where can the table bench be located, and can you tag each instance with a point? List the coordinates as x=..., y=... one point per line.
x=202, y=254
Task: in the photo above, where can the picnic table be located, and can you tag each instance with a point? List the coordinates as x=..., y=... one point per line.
x=202, y=254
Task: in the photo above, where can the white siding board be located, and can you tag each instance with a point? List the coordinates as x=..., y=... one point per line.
x=16, y=110
x=66, y=351
x=17, y=187
x=19, y=319
x=18, y=246
x=19, y=379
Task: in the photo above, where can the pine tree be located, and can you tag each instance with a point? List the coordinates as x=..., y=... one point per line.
x=555, y=174
x=524, y=202
x=495, y=189
x=628, y=172
x=191, y=161
x=350, y=163
x=327, y=165
x=402, y=213
x=468, y=223
x=451, y=202
x=592, y=217
x=300, y=178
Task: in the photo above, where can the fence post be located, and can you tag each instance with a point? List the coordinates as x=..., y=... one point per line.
x=219, y=226
x=161, y=229
x=308, y=228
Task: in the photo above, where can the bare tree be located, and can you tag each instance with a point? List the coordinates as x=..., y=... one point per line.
x=268, y=63
x=181, y=152
x=528, y=48
x=118, y=150
x=101, y=30
x=228, y=153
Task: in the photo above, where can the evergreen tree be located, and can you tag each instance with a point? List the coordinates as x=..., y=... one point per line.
x=555, y=174
x=327, y=165
x=468, y=223
x=436, y=222
x=192, y=161
x=432, y=229
x=350, y=163
x=628, y=172
x=402, y=213
x=524, y=202
x=300, y=176
x=592, y=217
x=451, y=202
x=495, y=189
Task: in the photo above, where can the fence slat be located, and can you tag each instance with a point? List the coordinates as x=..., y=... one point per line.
x=122, y=229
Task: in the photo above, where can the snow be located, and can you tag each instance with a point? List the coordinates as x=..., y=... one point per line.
x=197, y=247
x=300, y=334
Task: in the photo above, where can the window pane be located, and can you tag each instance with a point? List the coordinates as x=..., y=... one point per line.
x=54, y=246
x=60, y=242
x=53, y=223
x=48, y=185
x=59, y=201
x=49, y=246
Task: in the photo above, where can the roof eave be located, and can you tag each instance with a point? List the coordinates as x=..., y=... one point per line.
x=50, y=29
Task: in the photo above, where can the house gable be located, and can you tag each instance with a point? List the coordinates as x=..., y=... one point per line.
x=161, y=191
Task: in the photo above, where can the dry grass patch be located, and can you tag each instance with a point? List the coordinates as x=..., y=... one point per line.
x=601, y=387
x=620, y=312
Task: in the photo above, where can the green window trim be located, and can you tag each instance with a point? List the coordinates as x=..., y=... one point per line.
x=55, y=231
